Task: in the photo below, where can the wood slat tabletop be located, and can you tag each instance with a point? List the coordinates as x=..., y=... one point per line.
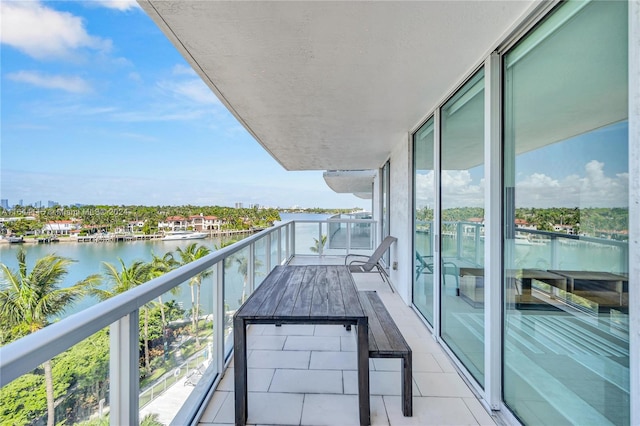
x=306, y=291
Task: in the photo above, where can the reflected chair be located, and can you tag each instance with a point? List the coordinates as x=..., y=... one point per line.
x=424, y=265
x=361, y=263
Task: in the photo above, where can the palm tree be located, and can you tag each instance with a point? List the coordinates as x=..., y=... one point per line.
x=126, y=279
x=29, y=300
x=193, y=252
x=160, y=266
x=243, y=269
x=318, y=244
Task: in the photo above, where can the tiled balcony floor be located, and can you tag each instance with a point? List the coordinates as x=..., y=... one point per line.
x=306, y=375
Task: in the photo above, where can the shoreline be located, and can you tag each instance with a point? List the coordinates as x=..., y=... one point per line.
x=118, y=238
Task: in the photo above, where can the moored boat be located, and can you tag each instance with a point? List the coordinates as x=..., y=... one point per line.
x=184, y=235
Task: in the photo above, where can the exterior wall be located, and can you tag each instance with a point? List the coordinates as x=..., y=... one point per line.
x=400, y=205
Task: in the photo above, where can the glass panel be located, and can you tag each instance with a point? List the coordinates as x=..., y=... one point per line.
x=176, y=349
x=307, y=236
x=423, y=235
x=80, y=378
x=236, y=290
x=260, y=267
x=462, y=207
x=566, y=337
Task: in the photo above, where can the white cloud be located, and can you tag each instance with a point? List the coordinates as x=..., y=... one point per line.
x=121, y=5
x=594, y=189
x=73, y=84
x=193, y=90
x=44, y=33
x=458, y=189
x=180, y=69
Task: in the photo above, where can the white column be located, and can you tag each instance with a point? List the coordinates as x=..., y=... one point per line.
x=124, y=374
x=493, y=232
x=436, y=224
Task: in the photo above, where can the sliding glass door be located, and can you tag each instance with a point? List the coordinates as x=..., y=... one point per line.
x=462, y=225
x=423, y=226
x=566, y=312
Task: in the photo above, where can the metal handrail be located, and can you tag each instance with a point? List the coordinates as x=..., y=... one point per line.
x=26, y=354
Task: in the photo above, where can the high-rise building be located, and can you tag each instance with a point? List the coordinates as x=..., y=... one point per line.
x=4, y=203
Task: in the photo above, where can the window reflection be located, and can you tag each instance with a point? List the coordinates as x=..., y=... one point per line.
x=424, y=202
x=462, y=225
x=566, y=337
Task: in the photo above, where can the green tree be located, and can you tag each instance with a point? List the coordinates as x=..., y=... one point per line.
x=193, y=252
x=29, y=300
x=126, y=279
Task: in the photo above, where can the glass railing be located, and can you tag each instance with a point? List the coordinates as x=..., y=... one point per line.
x=134, y=355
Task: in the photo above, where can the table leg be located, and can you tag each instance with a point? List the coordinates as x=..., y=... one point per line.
x=363, y=371
x=240, y=370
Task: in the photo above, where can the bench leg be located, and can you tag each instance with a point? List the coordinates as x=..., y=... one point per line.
x=407, y=386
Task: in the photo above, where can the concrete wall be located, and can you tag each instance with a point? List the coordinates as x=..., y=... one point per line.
x=401, y=217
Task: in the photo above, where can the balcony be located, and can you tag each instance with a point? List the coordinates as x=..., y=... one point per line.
x=307, y=369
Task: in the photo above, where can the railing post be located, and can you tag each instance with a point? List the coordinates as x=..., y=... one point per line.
x=320, y=239
x=218, y=326
x=124, y=374
x=291, y=241
x=279, y=246
x=251, y=273
x=348, y=226
x=268, y=251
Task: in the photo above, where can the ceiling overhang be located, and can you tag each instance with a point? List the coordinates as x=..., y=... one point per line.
x=356, y=182
x=333, y=85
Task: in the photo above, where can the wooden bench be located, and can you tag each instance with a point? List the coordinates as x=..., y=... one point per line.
x=386, y=341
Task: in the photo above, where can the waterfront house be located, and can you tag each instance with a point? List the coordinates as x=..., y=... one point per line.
x=205, y=223
x=61, y=227
x=450, y=107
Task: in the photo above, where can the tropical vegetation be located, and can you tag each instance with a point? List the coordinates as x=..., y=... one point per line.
x=70, y=387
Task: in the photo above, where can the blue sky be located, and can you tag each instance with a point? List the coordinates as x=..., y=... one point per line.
x=98, y=107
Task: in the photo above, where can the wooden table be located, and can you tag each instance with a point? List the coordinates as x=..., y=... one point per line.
x=302, y=295
x=606, y=289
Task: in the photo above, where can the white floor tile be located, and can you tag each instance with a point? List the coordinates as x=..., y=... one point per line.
x=348, y=343
x=214, y=406
x=314, y=343
x=258, y=380
x=307, y=381
x=274, y=408
x=340, y=410
x=266, y=342
x=442, y=384
x=288, y=330
x=479, y=412
x=430, y=411
x=332, y=330
x=279, y=359
x=329, y=360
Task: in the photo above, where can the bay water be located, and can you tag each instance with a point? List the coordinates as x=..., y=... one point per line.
x=89, y=258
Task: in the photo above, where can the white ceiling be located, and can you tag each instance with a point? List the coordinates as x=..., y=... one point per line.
x=333, y=85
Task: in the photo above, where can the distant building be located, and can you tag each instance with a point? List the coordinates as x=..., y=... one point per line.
x=61, y=227
x=52, y=203
x=4, y=203
x=238, y=205
x=204, y=223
